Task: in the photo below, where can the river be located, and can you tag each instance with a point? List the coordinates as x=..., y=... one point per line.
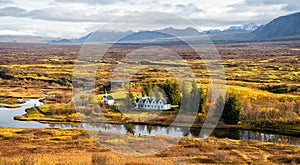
x=7, y=120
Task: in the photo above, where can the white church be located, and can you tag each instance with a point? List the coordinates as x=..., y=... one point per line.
x=107, y=99
x=152, y=103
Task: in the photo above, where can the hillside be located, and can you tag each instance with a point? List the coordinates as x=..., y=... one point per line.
x=285, y=26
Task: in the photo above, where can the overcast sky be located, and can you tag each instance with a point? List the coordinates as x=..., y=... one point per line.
x=75, y=18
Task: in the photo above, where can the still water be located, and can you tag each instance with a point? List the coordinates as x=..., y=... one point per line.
x=7, y=120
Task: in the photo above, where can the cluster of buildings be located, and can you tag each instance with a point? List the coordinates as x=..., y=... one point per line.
x=141, y=102
x=152, y=103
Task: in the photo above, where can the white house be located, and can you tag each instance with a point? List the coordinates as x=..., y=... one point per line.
x=152, y=103
x=107, y=99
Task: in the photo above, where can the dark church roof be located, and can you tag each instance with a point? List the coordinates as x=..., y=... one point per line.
x=109, y=98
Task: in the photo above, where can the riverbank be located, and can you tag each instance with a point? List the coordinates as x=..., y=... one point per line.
x=114, y=118
x=75, y=146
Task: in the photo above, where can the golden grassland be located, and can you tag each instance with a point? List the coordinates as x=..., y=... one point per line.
x=75, y=146
x=265, y=77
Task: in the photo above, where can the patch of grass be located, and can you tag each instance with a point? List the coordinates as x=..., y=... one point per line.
x=11, y=101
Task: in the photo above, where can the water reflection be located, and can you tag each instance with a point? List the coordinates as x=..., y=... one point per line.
x=7, y=115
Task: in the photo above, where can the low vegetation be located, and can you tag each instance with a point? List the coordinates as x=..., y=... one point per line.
x=75, y=146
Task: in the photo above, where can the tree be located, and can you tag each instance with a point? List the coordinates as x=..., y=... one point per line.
x=130, y=96
x=219, y=107
x=147, y=90
x=175, y=95
x=172, y=91
x=194, y=98
x=202, y=100
x=127, y=103
x=231, y=112
x=184, y=104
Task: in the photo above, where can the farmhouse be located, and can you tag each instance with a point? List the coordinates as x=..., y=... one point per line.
x=107, y=99
x=152, y=103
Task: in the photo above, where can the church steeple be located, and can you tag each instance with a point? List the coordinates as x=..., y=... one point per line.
x=105, y=93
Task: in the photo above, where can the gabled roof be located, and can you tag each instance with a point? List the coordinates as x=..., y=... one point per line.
x=137, y=100
x=156, y=100
x=109, y=98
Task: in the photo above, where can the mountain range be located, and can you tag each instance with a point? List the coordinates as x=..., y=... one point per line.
x=282, y=28
x=147, y=35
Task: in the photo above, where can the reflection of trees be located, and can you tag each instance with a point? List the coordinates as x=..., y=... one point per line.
x=155, y=128
x=149, y=129
x=141, y=128
x=118, y=127
x=168, y=129
x=226, y=133
x=129, y=128
x=185, y=131
x=195, y=132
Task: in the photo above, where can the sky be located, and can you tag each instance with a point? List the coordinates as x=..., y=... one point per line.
x=76, y=18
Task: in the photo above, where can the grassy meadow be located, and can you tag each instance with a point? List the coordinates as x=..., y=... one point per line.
x=70, y=146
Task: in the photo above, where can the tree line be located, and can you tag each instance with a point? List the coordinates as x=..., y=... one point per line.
x=192, y=99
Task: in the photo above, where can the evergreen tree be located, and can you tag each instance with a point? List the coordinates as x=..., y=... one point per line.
x=176, y=95
x=219, y=106
x=184, y=105
x=231, y=112
x=194, y=98
x=202, y=100
x=148, y=89
x=127, y=102
x=172, y=91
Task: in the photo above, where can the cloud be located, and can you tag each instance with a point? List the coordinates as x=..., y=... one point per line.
x=61, y=14
x=44, y=28
x=191, y=8
x=148, y=20
x=287, y=5
x=91, y=2
x=263, y=11
x=12, y=32
x=12, y=11
x=5, y=2
x=270, y=2
x=57, y=14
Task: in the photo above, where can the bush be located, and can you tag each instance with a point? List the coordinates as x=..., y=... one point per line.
x=281, y=88
x=99, y=160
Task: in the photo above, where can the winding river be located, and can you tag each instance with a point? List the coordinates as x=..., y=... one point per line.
x=7, y=120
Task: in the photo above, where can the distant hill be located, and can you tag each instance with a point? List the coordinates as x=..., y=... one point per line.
x=233, y=34
x=24, y=39
x=108, y=36
x=97, y=36
x=145, y=35
x=285, y=26
x=189, y=31
x=249, y=27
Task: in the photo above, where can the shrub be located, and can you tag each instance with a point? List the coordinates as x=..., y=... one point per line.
x=99, y=160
